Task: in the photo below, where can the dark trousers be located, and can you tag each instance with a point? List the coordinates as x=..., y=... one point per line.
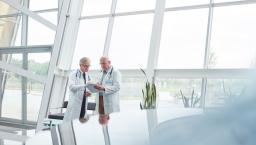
x=82, y=112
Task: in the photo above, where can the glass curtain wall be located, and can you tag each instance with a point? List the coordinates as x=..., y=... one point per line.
x=193, y=38
x=21, y=98
x=9, y=23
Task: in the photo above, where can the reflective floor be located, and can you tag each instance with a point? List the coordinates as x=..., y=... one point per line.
x=128, y=127
x=120, y=129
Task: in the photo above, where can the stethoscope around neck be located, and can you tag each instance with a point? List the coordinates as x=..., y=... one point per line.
x=78, y=73
x=109, y=74
x=78, y=76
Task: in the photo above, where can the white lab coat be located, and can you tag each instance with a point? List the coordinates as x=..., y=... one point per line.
x=76, y=92
x=112, y=85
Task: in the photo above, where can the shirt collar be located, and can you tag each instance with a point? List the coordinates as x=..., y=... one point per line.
x=107, y=70
x=81, y=71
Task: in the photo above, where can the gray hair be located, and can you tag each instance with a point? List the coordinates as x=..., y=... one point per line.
x=85, y=60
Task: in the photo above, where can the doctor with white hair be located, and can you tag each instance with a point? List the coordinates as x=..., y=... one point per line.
x=78, y=93
x=108, y=87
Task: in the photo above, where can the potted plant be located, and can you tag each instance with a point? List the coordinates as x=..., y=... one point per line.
x=149, y=94
x=190, y=102
x=149, y=102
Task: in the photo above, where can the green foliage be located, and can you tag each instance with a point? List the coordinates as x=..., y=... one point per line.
x=38, y=68
x=149, y=94
x=14, y=80
x=190, y=102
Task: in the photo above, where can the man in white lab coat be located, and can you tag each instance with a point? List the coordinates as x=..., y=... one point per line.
x=77, y=103
x=108, y=87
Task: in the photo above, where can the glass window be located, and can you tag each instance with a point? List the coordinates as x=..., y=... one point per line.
x=233, y=37
x=224, y=91
x=170, y=92
x=90, y=41
x=171, y=104
x=132, y=86
x=179, y=3
x=7, y=27
x=12, y=95
x=34, y=97
x=38, y=63
x=50, y=16
x=43, y=4
x=39, y=34
x=131, y=90
x=6, y=9
x=183, y=39
x=11, y=107
x=17, y=39
x=96, y=7
x=16, y=59
x=134, y=5
x=130, y=38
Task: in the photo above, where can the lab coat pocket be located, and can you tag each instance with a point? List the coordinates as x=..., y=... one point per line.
x=109, y=82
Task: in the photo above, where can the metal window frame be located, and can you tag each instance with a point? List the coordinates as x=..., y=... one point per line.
x=30, y=13
x=206, y=73
x=206, y=54
x=180, y=8
x=62, y=53
x=110, y=28
x=26, y=49
x=153, y=54
x=18, y=122
x=153, y=51
x=24, y=80
x=22, y=72
x=20, y=13
x=192, y=73
x=7, y=59
x=63, y=16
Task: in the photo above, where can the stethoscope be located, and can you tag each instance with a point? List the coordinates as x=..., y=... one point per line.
x=78, y=76
x=109, y=74
x=78, y=73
